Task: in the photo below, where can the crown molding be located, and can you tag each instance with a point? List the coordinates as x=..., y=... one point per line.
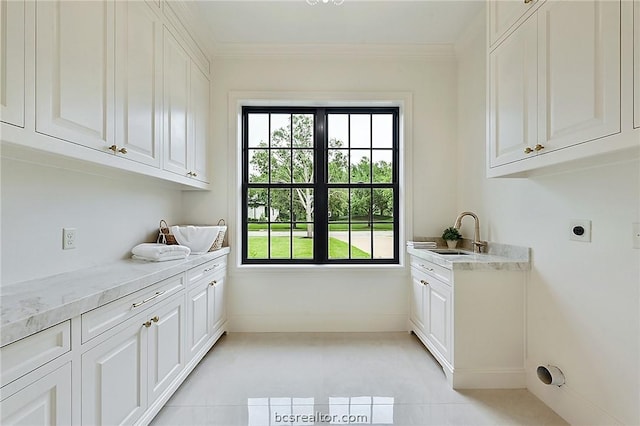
x=416, y=51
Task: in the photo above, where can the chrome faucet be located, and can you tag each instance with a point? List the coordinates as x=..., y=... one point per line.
x=478, y=245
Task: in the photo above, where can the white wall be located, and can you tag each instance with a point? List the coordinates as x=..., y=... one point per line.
x=583, y=298
x=111, y=215
x=325, y=299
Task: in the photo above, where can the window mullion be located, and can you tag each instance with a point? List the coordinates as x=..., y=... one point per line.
x=320, y=217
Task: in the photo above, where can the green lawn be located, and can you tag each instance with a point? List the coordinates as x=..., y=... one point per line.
x=377, y=226
x=302, y=248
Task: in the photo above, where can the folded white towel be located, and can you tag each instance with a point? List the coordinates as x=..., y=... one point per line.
x=158, y=251
x=161, y=259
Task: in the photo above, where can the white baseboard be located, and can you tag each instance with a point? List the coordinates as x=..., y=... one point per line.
x=318, y=323
x=569, y=404
x=503, y=378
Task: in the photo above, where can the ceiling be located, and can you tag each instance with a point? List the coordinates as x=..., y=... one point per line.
x=352, y=22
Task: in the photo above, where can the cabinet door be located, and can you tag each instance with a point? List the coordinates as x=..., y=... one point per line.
x=12, y=48
x=198, y=317
x=579, y=72
x=220, y=306
x=166, y=346
x=74, y=71
x=46, y=401
x=114, y=377
x=199, y=124
x=636, y=63
x=503, y=15
x=176, y=102
x=138, y=81
x=437, y=304
x=513, y=96
x=417, y=300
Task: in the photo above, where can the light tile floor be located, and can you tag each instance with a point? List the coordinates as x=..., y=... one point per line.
x=386, y=378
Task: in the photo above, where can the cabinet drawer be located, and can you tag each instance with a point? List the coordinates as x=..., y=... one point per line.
x=432, y=269
x=105, y=317
x=27, y=354
x=205, y=270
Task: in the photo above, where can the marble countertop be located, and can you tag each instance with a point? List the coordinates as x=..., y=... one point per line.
x=498, y=257
x=30, y=306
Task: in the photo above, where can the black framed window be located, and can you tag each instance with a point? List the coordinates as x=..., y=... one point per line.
x=320, y=185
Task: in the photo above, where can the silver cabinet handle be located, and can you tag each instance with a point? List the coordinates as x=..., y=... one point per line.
x=210, y=269
x=424, y=282
x=158, y=294
x=212, y=283
x=428, y=269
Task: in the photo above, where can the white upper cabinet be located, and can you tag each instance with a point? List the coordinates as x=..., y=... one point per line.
x=555, y=82
x=636, y=64
x=579, y=72
x=138, y=81
x=74, y=71
x=12, y=49
x=503, y=15
x=513, y=96
x=176, y=103
x=199, y=124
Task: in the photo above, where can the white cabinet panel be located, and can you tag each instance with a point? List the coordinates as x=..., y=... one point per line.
x=198, y=318
x=199, y=122
x=12, y=49
x=220, y=307
x=74, y=71
x=45, y=402
x=513, y=96
x=503, y=14
x=579, y=72
x=166, y=346
x=438, y=309
x=636, y=63
x=176, y=103
x=138, y=81
x=114, y=377
x=417, y=301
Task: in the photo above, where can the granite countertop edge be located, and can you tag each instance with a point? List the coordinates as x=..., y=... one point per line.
x=502, y=257
x=34, y=305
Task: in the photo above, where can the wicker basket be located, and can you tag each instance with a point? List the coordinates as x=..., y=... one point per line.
x=217, y=243
x=165, y=236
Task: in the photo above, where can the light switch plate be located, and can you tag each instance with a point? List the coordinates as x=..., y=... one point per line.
x=68, y=238
x=580, y=230
x=636, y=235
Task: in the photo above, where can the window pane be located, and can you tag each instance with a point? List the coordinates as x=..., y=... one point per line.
x=303, y=130
x=338, y=166
x=281, y=241
x=280, y=130
x=258, y=125
x=382, y=166
x=257, y=241
x=303, y=241
x=303, y=169
x=257, y=206
x=382, y=130
x=280, y=165
x=338, y=130
x=258, y=165
x=360, y=242
x=302, y=205
x=360, y=205
x=339, y=241
x=383, y=205
x=360, y=131
x=280, y=203
x=360, y=166
x=383, y=241
x=338, y=205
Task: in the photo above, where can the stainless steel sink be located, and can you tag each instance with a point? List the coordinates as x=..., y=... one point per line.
x=449, y=252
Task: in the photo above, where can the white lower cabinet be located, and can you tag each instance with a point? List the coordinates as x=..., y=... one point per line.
x=47, y=401
x=129, y=371
x=472, y=321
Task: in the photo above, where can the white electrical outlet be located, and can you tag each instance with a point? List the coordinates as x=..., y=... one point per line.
x=636, y=235
x=68, y=238
x=580, y=230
